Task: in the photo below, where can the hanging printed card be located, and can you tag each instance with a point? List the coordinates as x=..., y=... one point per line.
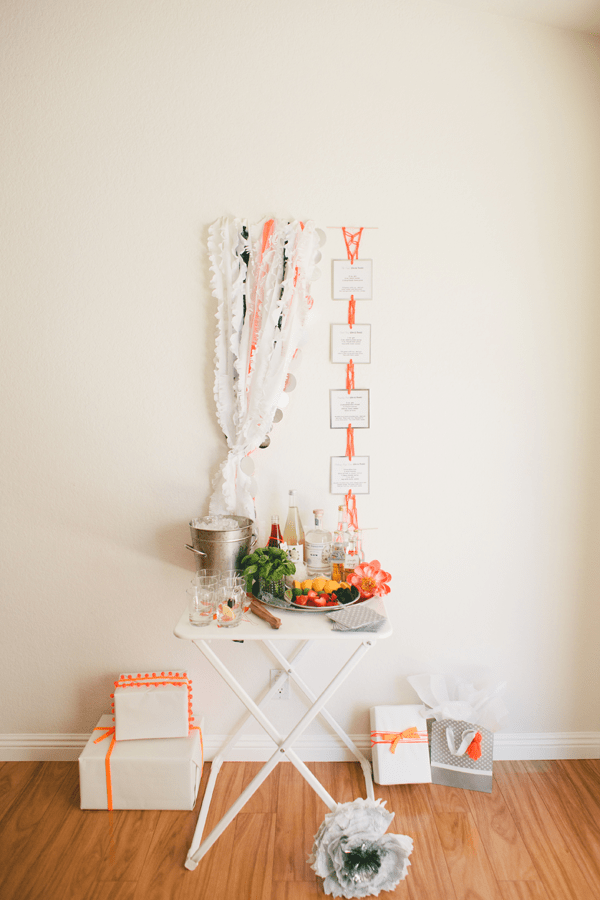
x=349, y=475
x=351, y=344
x=349, y=409
x=352, y=279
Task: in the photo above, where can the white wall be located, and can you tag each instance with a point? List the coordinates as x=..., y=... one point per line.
x=471, y=142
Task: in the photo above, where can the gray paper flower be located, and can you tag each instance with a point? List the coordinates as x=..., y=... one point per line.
x=353, y=854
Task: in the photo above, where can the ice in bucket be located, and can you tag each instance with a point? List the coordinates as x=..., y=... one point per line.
x=221, y=541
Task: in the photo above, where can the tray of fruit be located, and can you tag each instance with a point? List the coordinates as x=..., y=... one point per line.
x=316, y=595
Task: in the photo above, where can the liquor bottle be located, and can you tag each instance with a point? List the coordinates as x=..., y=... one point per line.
x=276, y=539
x=317, y=548
x=338, y=547
x=293, y=533
x=360, y=553
x=351, y=556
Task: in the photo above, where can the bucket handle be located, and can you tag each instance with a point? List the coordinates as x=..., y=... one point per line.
x=193, y=549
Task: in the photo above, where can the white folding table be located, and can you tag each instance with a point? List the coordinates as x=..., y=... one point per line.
x=306, y=628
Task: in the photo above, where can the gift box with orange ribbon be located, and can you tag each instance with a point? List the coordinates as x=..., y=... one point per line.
x=161, y=773
x=152, y=705
x=399, y=745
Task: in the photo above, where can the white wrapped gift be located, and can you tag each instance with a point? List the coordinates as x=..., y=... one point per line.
x=152, y=705
x=151, y=774
x=400, y=745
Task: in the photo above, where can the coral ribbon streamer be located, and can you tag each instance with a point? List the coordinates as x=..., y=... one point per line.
x=393, y=738
x=350, y=442
x=350, y=376
x=351, y=311
x=352, y=242
x=351, y=509
x=474, y=748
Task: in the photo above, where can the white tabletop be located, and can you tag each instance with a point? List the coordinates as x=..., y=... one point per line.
x=301, y=625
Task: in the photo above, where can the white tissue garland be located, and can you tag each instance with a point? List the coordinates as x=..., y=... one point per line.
x=261, y=278
x=354, y=856
x=448, y=697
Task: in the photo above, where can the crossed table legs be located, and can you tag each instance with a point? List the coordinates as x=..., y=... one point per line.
x=284, y=746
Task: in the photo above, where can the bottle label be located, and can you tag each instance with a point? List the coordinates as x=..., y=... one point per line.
x=295, y=553
x=338, y=552
x=317, y=555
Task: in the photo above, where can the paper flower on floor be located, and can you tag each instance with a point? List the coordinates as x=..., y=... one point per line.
x=371, y=580
x=353, y=854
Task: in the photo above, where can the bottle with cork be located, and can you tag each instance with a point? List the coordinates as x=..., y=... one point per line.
x=293, y=532
x=338, y=547
x=317, y=548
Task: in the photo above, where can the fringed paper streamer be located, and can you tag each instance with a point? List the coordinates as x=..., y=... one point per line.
x=350, y=442
x=261, y=278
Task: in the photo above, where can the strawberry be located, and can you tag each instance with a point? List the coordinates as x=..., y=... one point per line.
x=312, y=594
x=320, y=600
x=300, y=600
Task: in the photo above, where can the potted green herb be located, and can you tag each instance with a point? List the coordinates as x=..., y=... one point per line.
x=265, y=571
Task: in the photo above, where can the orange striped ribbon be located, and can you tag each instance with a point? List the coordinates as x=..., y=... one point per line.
x=408, y=736
x=109, y=731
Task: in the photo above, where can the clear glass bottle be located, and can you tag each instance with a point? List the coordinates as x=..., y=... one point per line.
x=275, y=539
x=317, y=548
x=293, y=533
x=338, y=547
x=351, y=556
x=360, y=553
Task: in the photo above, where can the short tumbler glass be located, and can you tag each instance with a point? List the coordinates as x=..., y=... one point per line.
x=230, y=606
x=236, y=579
x=202, y=599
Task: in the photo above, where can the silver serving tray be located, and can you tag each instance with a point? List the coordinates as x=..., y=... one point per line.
x=280, y=604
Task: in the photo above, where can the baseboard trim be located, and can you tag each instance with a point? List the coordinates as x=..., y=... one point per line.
x=311, y=748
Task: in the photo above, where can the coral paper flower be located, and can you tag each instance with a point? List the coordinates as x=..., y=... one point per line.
x=371, y=580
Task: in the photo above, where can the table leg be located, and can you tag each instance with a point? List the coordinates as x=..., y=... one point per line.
x=219, y=758
x=194, y=856
x=364, y=762
x=283, y=749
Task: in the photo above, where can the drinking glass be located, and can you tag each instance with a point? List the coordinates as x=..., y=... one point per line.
x=230, y=606
x=202, y=599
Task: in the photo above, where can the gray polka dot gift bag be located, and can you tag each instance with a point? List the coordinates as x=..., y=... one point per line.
x=462, y=755
x=461, y=739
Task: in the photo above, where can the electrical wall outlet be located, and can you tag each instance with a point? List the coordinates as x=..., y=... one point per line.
x=284, y=688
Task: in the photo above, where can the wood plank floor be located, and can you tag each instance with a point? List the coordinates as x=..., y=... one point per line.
x=535, y=837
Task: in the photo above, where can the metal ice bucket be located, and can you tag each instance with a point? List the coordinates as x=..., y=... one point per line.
x=221, y=551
